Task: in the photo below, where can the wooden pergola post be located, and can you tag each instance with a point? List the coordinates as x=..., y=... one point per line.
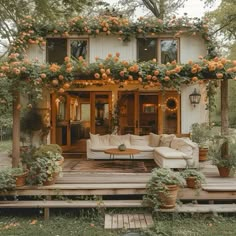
x=16, y=130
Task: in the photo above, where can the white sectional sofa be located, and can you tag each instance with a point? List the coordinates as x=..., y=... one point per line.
x=167, y=150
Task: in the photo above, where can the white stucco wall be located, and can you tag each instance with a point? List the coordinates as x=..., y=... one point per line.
x=189, y=113
x=34, y=52
x=191, y=47
x=102, y=45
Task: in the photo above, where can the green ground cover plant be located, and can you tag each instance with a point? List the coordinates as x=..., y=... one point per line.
x=90, y=222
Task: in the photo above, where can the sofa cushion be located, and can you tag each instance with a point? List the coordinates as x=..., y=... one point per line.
x=143, y=148
x=101, y=148
x=97, y=139
x=94, y=139
x=166, y=140
x=170, y=153
x=154, y=140
x=136, y=140
x=184, y=145
x=116, y=140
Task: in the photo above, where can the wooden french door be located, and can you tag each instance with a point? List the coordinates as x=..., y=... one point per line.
x=144, y=112
x=77, y=113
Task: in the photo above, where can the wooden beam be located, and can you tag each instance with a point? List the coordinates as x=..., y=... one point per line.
x=16, y=130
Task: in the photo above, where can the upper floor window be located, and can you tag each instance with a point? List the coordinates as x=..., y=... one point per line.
x=164, y=50
x=58, y=49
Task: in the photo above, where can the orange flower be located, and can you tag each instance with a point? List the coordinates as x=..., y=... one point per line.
x=104, y=76
x=54, y=67
x=156, y=72
x=97, y=76
x=194, y=70
x=43, y=76
x=167, y=78
x=122, y=73
x=149, y=77
x=55, y=82
x=194, y=79
x=60, y=77
x=219, y=75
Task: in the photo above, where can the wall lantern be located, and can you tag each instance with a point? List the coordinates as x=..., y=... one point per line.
x=195, y=97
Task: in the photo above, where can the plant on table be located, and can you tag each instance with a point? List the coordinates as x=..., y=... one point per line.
x=201, y=134
x=227, y=163
x=162, y=188
x=194, y=178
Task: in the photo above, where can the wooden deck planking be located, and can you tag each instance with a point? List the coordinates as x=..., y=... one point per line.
x=128, y=221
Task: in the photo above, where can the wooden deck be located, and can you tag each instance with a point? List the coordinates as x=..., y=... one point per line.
x=125, y=188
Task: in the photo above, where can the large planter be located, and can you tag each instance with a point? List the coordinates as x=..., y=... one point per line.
x=52, y=181
x=203, y=154
x=168, y=198
x=224, y=171
x=20, y=179
x=191, y=182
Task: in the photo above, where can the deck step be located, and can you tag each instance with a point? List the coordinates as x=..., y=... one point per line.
x=219, y=187
x=70, y=204
x=203, y=208
x=128, y=221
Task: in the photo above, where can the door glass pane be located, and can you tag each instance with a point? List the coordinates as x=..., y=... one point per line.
x=168, y=50
x=102, y=122
x=148, y=105
x=170, y=115
x=56, y=50
x=126, y=113
x=147, y=49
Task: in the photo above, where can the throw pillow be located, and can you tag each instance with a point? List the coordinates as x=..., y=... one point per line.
x=154, y=139
x=184, y=145
x=94, y=139
x=166, y=140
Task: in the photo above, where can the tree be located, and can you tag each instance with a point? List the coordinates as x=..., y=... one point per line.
x=159, y=8
x=47, y=10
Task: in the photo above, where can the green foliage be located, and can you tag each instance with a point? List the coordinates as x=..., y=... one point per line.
x=201, y=134
x=160, y=177
x=7, y=181
x=216, y=150
x=44, y=149
x=200, y=177
x=43, y=163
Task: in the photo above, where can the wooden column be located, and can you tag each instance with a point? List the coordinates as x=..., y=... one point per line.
x=224, y=108
x=16, y=130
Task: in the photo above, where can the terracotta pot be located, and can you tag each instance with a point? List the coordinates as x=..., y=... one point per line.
x=20, y=179
x=168, y=198
x=191, y=182
x=224, y=171
x=203, y=154
x=60, y=162
x=53, y=181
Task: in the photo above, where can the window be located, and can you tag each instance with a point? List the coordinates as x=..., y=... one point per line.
x=58, y=49
x=164, y=50
x=147, y=49
x=78, y=47
x=168, y=50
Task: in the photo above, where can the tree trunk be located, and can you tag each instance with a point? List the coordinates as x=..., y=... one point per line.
x=224, y=116
x=16, y=131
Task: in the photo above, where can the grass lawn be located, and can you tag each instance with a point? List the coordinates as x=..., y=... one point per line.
x=90, y=223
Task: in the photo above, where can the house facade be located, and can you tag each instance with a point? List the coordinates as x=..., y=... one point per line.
x=127, y=107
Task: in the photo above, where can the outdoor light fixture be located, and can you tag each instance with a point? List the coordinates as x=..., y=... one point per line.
x=195, y=97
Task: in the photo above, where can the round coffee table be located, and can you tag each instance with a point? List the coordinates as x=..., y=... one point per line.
x=115, y=151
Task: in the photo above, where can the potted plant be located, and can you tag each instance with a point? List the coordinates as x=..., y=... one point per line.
x=201, y=134
x=44, y=164
x=225, y=164
x=162, y=188
x=7, y=181
x=194, y=178
x=20, y=174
